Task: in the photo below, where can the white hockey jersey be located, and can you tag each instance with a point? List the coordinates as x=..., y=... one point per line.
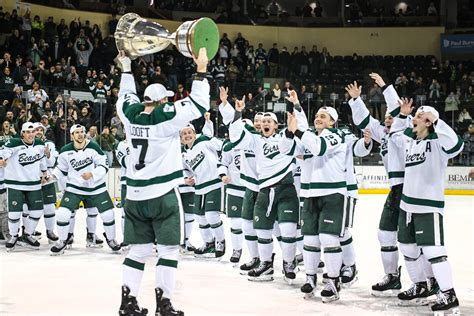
x=323, y=169
x=155, y=149
x=425, y=165
x=354, y=147
x=122, y=152
x=2, y=170
x=52, y=160
x=72, y=163
x=230, y=166
x=392, y=152
x=25, y=165
x=275, y=155
x=203, y=160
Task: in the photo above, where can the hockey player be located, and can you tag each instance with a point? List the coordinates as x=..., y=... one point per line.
x=429, y=145
x=153, y=208
x=122, y=152
x=48, y=189
x=392, y=152
x=323, y=184
x=25, y=169
x=275, y=157
x=201, y=155
x=229, y=172
x=83, y=167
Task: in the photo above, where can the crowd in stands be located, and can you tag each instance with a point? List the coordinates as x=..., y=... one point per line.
x=42, y=64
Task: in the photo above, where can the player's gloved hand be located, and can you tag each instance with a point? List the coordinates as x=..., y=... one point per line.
x=124, y=61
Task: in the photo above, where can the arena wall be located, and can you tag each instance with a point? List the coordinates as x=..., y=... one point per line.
x=339, y=41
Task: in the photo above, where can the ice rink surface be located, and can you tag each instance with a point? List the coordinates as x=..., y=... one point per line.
x=87, y=281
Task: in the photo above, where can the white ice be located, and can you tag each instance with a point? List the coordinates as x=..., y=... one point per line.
x=87, y=281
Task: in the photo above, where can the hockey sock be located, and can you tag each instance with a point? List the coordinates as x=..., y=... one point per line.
x=299, y=240
x=277, y=233
x=63, y=217
x=25, y=215
x=288, y=241
x=108, y=220
x=427, y=268
x=265, y=244
x=72, y=222
x=389, y=251
x=214, y=219
x=34, y=218
x=166, y=269
x=332, y=254
x=49, y=214
x=188, y=227
x=204, y=228
x=311, y=253
x=250, y=237
x=443, y=273
x=236, y=233
x=91, y=221
x=14, y=222
x=348, y=251
x=411, y=253
x=133, y=266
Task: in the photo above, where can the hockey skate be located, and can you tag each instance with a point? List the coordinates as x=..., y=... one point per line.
x=220, y=249
x=92, y=241
x=310, y=285
x=52, y=238
x=264, y=272
x=246, y=267
x=35, y=234
x=129, y=305
x=331, y=290
x=433, y=287
x=59, y=247
x=29, y=242
x=299, y=259
x=164, y=306
x=11, y=243
x=348, y=275
x=446, y=303
x=415, y=295
x=70, y=240
x=112, y=243
x=207, y=251
x=235, y=258
x=389, y=286
x=289, y=271
x=187, y=249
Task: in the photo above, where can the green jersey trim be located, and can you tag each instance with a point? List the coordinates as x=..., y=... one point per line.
x=456, y=147
x=235, y=187
x=323, y=185
x=422, y=202
x=279, y=173
x=396, y=174
x=15, y=182
x=352, y=187
x=201, y=109
x=364, y=122
x=249, y=179
x=100, y=186
x=156, y=180
x=208, y=183
x=324, y=146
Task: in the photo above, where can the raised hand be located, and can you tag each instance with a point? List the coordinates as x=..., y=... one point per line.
x=124, y=61
x=367, y=136
x=240, y=104
x=201, y=60
x=207, y=116
x=226, y=179
x=292, y=122
x=223, y=94
x=406, y=106
x=354, y=90
x=378, y=79
x=292, y=97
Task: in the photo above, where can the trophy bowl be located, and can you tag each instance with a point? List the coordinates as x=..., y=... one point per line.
x=138, y=37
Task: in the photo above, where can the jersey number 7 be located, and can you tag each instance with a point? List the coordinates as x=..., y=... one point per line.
x=143, y=143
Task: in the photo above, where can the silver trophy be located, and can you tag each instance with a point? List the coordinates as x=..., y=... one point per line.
x=138, y=37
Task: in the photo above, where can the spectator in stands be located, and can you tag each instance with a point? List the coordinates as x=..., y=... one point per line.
x=248, y=75
x=276, y=93
x=325, y=61
x=314, y=58
x=467, y=156
x=260, y=72
x=284, y=62
x=464, y=116
x=34, y=53
x=50, y=30
x=7, y=132
x=223, y=51
x=274, y=8
x=92, y=133
x=318, y=10
x=26, y=25
x=106, y=142
x=82, y=53
x=232, y=74
x=6, y=81
x=100, y=92
x=37, y=27
x=116, y=123
x=464, y=84
x=61, y=134
x=432, y=11
x=375, y=101
x=37, y=95
x=435, y=89
x=181, y=93
x=240, y=42
x=451, y=105
x=250, y=55
x=73, y=80
x=171, y=73
x=303, y=62
x=273, y=59
x=261, y=54
x=225, y=41
x=85, y=117
x=158, y=77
